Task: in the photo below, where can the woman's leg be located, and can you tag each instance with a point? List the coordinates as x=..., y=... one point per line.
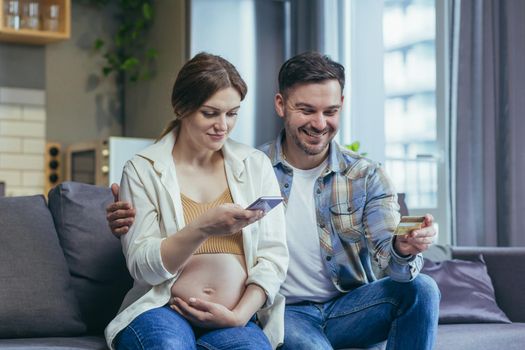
x=250, y=337
x=160, y=328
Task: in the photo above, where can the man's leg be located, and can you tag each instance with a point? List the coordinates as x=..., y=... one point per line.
x=303, y=328
x=157, y=329
x=250, y=337
x=404, y=313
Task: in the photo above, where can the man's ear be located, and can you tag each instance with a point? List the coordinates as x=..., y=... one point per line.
x=279, y=105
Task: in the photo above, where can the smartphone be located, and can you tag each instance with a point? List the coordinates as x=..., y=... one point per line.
x=409, y=224
x=265, y=203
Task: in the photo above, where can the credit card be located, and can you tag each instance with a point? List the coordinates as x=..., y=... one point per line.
x=409, y=224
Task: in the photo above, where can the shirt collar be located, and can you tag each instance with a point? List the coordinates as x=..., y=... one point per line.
x=336, y=161
x=160, y=154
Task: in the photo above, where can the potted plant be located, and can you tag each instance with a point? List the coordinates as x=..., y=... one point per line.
x=128, y=54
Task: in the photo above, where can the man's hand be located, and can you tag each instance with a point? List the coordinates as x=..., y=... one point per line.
x=416, y=241
x=120, y=215
x=205, y=314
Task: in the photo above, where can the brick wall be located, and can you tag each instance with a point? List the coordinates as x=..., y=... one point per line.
x=22, y=140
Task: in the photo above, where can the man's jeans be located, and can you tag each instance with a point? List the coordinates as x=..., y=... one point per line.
x=404, y=313
x=164, y=329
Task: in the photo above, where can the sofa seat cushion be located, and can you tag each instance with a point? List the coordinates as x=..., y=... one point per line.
x=98, y=269
x=36, y=299
x=481, y=336
x=73, y=343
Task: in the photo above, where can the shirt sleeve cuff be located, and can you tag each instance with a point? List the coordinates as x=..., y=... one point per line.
x=157, y=264
x=402, y=260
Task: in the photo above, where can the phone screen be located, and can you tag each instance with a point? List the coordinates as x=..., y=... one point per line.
x=265, y=203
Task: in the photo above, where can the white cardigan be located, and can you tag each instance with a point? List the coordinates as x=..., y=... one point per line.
x=149, y=182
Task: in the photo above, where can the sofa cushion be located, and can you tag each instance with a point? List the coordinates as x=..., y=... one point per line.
x=98, y=270
x=481, y=336
x=54, y=343
x=467, y=294
x=438, y=252
x=36, y=298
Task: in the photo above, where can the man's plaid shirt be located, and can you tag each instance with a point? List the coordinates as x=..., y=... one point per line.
x=357, y=213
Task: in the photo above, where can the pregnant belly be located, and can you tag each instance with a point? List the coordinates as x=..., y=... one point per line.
x=217, y=278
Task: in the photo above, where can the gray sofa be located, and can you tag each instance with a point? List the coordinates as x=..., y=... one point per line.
x=63, y=276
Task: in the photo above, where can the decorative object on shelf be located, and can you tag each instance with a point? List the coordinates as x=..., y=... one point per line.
x=31, y=15
x=51, y=19
x=35, y=21
x=12, y=14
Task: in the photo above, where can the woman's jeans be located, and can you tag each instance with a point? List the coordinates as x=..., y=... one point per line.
x=406, y=314
x=164, y=329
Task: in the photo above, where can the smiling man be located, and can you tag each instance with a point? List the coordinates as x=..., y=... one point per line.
x=341, y=213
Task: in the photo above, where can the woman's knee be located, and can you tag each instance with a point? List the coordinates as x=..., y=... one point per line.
x=159, y=328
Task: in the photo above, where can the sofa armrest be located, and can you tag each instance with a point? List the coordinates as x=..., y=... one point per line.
x=506, y=268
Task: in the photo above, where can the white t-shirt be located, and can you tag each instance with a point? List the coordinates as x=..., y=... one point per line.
x=307, y=278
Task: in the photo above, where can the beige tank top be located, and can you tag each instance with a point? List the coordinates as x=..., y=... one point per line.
x=229, y=244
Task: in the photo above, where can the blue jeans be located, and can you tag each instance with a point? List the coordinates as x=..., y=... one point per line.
x=164, y=329
x=406, y=314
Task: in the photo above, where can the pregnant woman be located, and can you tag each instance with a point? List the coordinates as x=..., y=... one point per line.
x=193, y=245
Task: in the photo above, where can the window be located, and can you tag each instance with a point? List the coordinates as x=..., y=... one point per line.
x=395, y=52
x=409, y=37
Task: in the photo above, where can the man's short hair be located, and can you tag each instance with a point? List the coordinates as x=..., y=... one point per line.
x=309, y=67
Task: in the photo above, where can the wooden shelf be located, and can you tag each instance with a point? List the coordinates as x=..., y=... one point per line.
x=38, y=37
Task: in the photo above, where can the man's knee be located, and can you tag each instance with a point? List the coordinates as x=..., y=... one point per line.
x=305, y=343
x=427, y=288
x=303, y=339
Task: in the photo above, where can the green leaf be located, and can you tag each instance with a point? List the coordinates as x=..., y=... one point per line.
x=107, y=71
x=139, y=25
x=129, y=63
x=152, y=53
x=354, y=146
x=147, y=11
x=112, y=59
x=145, y=75
x=98, y=44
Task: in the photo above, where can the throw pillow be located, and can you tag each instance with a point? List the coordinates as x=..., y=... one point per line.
x=467, y=294
x=36, y=299
x=438, y=252
x=98, y=269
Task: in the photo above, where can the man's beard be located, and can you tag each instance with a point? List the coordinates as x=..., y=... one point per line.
x=306, y=148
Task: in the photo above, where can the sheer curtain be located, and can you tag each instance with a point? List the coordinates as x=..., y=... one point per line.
x=490, y=123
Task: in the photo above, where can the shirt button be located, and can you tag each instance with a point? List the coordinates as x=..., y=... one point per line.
x=328, y=258
x=286, y=185
x=318, y=191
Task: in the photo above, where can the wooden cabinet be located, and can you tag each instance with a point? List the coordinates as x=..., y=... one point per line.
x=54, y=21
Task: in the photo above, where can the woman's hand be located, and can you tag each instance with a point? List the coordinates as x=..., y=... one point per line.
x=225, y=219
x=205, y=314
